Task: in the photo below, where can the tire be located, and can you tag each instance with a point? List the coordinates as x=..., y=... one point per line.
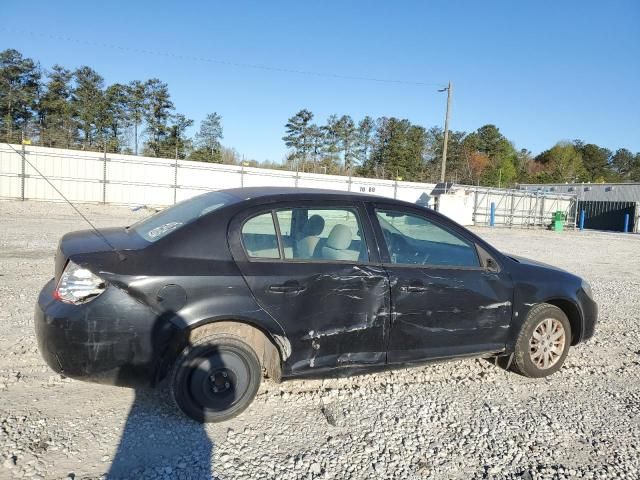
x=215, y=378
x=543, y=342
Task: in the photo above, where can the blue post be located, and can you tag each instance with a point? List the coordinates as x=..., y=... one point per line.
x=492, y=219
x=581, y=219
x=626, y=223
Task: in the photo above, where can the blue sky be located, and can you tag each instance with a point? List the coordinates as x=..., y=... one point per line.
x=542, y=71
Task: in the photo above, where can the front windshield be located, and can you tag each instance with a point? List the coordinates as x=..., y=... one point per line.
x=162, y=223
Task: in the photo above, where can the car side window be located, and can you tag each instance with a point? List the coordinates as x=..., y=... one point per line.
x=414, y=240
x=322, y=234
x=259, y=237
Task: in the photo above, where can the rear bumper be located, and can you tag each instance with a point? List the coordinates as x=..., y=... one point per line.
x=113, y=339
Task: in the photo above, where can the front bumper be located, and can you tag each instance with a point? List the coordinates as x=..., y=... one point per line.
x=589, y=316
x=112, y=339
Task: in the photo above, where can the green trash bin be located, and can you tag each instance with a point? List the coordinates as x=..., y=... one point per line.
x=558, y=221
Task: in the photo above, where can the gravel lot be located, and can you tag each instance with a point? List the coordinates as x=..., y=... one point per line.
x=463, y=419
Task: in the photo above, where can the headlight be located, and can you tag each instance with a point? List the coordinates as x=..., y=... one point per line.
x=78, y=285
x=587, y=288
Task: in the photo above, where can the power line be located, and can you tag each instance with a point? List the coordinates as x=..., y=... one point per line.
x=222, y=62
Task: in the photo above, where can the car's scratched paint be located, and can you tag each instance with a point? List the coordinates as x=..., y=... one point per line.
x=113, y=339
x=536, y=282
x=454, y=311
x=346, y=318
x=340, y=310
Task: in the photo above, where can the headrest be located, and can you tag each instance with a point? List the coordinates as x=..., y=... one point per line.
x=313, y=226
x=339, y=238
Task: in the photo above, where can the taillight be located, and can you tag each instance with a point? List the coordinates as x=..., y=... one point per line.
x=78, y=285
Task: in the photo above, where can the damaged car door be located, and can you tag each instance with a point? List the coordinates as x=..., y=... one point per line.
x=445, y=301
x=310, y=266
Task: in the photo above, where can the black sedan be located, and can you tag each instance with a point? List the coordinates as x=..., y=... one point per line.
x=219, y=290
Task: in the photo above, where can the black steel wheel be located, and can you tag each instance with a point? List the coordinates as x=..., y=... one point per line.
x=215, y=378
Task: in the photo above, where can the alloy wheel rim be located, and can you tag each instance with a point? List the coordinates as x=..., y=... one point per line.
x=547, y=343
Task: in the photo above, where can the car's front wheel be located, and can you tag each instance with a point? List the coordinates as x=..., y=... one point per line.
x=543, y=343
x=215, y=378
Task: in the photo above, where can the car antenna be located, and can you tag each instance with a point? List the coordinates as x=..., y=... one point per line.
x=93, y=227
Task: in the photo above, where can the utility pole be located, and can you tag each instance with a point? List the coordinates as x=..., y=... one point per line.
x=446, y=132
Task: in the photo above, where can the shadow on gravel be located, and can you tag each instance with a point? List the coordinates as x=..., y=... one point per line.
x=158, y=442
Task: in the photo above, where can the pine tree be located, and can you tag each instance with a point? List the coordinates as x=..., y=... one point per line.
x=331, y=148
x=88, y=101
x=208, y=139
x=19, y=85
x=623, y=163
x=116, y=119
x=364, y=140
x=158, y=114
x=346, y=132
x=502, y=155
x=399, y=149
x=595, y=160
x=136, y=108
x=298, y=136
x=316, y=141
x=57, y=115
x=177, y=140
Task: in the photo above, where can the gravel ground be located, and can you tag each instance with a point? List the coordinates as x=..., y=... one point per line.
x=462, y=419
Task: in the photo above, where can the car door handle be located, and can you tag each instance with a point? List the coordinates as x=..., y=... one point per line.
x=415, y=288
x=287, y=288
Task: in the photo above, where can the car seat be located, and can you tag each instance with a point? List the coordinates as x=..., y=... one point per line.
x=311, y=231
x=338, y=243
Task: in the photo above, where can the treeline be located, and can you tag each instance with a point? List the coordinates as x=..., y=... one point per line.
x=389, y=147
x=67, y=108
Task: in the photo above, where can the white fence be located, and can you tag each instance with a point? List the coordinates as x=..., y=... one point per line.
x=94, y=177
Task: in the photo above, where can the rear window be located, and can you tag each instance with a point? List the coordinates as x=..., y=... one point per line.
x=181, y=214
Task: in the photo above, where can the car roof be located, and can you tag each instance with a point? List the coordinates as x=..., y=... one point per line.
x=293, y=193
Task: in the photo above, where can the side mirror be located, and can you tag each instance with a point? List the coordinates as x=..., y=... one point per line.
x=491, y=265
x=487, y=261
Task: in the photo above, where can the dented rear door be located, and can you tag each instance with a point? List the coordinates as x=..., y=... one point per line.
x=334, y=313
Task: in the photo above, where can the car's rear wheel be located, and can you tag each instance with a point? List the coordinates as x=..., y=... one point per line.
x=215, y=378
x=543, y=343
